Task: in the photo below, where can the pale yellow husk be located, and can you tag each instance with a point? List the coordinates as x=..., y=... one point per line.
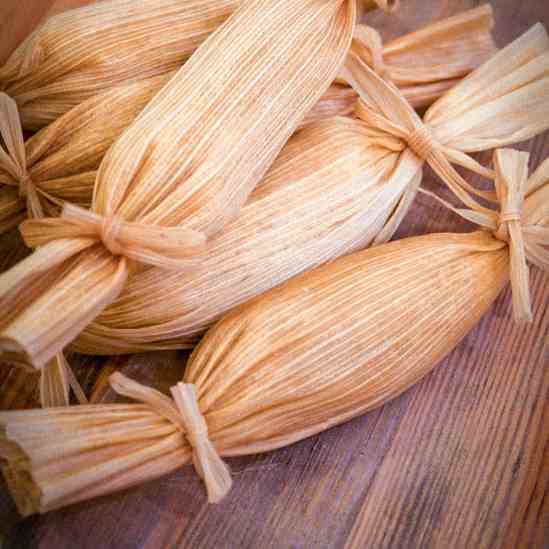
x=338, y=186
x=318, y=350
x=59, y=163
x=180, y=172
x=84, y=51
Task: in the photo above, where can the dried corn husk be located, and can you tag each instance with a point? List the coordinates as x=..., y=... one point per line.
x=59, y=163
x=84, y=51
x=423, y=64
x=180, y=172
x=81, y=52
x=338, y=186
x=318, y=350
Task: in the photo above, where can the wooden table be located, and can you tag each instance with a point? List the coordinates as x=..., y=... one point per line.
x=460, y=460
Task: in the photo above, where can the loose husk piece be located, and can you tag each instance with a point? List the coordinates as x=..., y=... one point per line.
x=180, y=172
x=59, y=163
x=81, y=52
x=318, y=350
x=338, y=186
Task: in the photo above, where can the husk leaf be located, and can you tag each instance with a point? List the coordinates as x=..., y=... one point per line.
x=81, y=52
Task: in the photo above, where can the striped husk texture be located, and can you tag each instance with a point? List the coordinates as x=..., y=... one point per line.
x=338, y=186
x=60, y=162
x=324, y=347
x=81, y=52
x=180, y=172
x=423, y=64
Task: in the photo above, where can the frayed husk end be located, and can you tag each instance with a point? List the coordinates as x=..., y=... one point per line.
x=59, y=456
x=18, y=477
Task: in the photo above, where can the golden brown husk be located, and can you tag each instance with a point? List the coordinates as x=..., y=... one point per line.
x=423, y=64
x=325, y=347
x=61, y=160
x=181, y=171
x=78, y=53
x=338, y=186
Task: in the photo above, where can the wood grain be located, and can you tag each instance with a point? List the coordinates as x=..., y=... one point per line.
x=459, y=461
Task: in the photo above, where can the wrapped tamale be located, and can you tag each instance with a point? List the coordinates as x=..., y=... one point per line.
x=84, y=51
x=81, y=52
x=180, y=172
x=338, y=186
x=324, y=347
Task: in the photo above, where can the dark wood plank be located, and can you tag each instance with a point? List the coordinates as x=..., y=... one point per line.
x=460, y=460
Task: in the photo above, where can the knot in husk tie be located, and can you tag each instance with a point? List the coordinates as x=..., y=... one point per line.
x=184, y=412
x=164, y=247
x=28, y=191
x=421, y=141
x=13, y=160
x=516, y=224
x=110, y=233
x=389, y=117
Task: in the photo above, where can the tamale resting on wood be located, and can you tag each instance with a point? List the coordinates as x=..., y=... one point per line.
x=318, y=350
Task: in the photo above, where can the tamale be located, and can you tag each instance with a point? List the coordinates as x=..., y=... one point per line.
x=422, y=64
x=84, y=51
x=316, y=351
x=180, y=172
x=338, y=186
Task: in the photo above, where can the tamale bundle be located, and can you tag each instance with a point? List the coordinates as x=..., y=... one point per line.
x=422, y=64
x=338, y=186
x=314, y=352
x=59, y=163
x=81, y=52
x=180, y=172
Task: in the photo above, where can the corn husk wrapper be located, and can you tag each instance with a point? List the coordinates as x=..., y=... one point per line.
x=338, y=186
x=314, y=352
x=423, y=64
x=59, y=163
x=81, y=52
x=84, y=51
x=180, y=172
